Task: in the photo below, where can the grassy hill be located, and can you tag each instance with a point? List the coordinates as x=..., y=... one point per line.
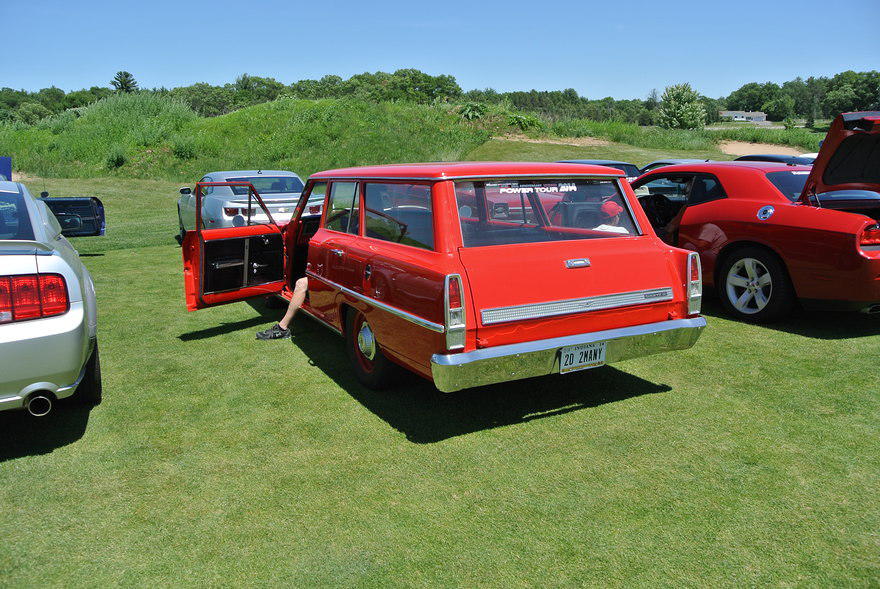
x=150, y=136
x=146, y=136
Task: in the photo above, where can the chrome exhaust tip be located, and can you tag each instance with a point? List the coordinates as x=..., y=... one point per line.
x=39, y=405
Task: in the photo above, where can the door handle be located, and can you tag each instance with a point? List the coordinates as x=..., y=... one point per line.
x=337, y=252
x=254, y=265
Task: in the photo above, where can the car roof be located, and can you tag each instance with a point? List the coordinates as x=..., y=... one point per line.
x=450, y=170
x=674, y=161
x=770, y=157
x=701, y=166
x=8, y=186
x=237, y=173
x=596, y=162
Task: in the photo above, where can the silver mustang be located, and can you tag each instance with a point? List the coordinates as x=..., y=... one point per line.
x=228, y=206
x=48, y=312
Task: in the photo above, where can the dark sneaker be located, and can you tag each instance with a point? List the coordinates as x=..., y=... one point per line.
x=274, y=332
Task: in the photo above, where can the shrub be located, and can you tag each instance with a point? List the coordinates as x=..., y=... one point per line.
x=115, y=157
x=472, y=111
x=31, y=112
x=789, y=123
x=183, y=148
x=681, y=108
x=524, y=122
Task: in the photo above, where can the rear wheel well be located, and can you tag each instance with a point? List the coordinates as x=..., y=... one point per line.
x=344, y=310
x=732, y=248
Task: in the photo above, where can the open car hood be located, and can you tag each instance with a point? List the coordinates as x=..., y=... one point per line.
x=849, y=158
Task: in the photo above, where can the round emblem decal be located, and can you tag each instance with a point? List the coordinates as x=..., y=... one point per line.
x=765, y=213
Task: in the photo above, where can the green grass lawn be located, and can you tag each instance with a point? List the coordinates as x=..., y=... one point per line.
x=750, y=460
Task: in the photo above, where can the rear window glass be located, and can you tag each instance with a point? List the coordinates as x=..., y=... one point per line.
x=630, y=170
x=526, y=211
x=15, y=222
x=268, y=184
x=400, y=213
x=790, y=184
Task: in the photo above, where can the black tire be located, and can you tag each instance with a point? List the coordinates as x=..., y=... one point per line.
x=90, y=389
x=746, y=293
x=375, y=373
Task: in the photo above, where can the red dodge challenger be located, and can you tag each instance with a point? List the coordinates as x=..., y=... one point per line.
x=770, y=235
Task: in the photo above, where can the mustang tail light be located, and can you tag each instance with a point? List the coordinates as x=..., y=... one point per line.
x=230, y=211
x=694, y=283
x=454, y=312
x=871, y=235
x=32, y=296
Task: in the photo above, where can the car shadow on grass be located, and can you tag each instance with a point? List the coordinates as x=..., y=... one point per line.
x=23, y=435
x=828, y=325
x=415, y=408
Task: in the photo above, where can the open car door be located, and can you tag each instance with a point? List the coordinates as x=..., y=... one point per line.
x=231, y=264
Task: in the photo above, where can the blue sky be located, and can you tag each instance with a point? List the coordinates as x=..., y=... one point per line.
x=620, y=49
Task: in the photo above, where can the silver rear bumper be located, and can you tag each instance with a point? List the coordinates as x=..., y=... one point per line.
x=453, y=372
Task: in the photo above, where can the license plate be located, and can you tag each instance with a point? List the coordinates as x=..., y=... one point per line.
x=581, y=357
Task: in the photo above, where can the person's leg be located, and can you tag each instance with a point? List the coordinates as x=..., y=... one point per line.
x=282, y=328
x=296, y=301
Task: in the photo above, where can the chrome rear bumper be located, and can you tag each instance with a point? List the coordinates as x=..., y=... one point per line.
x=453, y=372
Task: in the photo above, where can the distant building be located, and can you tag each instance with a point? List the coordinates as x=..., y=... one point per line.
x=744, y=115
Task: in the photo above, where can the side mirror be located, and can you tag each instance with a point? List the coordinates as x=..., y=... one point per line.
x=186, y=190
x=44, y=194
x=78, y=216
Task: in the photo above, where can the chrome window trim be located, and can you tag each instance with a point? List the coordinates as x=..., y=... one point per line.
x=619, y=182
x=421, y=322
x=632, y=213
x=531, y=311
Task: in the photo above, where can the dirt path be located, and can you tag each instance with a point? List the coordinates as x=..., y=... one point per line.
x=746, y=148
x=573, y=141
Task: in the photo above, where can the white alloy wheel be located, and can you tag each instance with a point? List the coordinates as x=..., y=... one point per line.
x=749, y=286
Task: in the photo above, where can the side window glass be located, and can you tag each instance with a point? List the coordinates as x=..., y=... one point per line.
x=705, y=189
x=401, y=213
x=206, y=190
x=315, y=204
x=674, y=188
x=342, y=210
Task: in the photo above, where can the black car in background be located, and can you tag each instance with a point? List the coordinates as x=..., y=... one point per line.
x=792, y=160
x=631, y=170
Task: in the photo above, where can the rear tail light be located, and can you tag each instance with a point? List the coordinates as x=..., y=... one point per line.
x=230, y=212
x=454, y=312
x=31, y=296
x=694, y=283
x=871, y=235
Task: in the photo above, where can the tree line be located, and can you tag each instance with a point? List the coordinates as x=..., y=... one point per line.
x=810, y=98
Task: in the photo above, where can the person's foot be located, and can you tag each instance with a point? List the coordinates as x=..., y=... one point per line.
x=274, y=332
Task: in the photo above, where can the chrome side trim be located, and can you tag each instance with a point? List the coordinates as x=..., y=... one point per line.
x=569, y=306
x=453, y=372
x=421, y=322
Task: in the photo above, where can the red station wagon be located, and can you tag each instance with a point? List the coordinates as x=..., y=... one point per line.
x=770, y=234
x=465, y=273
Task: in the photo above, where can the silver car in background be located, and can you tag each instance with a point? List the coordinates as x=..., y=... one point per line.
x=228, y=206
x=48, y=311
